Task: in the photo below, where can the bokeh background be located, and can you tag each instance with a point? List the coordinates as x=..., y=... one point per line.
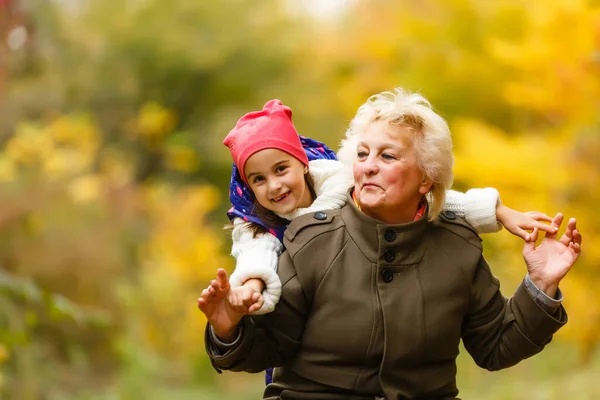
x=113, y=176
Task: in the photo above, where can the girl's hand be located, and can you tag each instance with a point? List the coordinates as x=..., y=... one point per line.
x=519, y=223
x=245, y=299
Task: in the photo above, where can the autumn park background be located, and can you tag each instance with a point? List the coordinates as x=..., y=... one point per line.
x=113, y=176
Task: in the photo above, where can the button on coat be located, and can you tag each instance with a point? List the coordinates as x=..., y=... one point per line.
x=389, y=255
x=387, y=275
x=390, y=235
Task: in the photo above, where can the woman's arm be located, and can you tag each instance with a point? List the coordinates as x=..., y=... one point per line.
x=262, y=341
x=257, y=258
x=497, y=332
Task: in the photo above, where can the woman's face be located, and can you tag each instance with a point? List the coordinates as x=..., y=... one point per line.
x=277, y=181
x=388, y=182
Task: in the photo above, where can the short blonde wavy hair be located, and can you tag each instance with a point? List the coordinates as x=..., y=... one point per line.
x=431, y=138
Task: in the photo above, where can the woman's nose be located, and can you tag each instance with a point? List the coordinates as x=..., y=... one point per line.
x=370, y=166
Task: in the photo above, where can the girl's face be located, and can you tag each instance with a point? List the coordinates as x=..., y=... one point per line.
x=388, y=182
x=277, y=181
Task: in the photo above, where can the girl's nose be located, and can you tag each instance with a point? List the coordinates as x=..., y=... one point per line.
x=274, y=184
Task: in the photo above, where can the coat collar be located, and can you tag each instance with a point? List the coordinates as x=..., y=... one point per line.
x=408, y=242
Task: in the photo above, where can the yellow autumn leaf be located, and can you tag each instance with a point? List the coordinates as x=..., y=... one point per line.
x=154, y=121
x=181, y=158
x=85, y=189
x=7, y=169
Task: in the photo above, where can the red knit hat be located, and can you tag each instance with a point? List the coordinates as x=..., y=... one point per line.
x=270, y=128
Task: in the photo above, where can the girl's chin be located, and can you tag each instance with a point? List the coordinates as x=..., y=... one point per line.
x=284, y=207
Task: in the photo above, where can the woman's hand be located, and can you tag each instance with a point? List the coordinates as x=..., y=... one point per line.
x=214, y=303
x=548, y=263
x=519, y=223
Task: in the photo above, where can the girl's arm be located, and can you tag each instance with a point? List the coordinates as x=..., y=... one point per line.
x=257, y=258
x=483, y=210
x=477, y=206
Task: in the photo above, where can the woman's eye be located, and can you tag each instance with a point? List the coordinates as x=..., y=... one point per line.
x=388, y=156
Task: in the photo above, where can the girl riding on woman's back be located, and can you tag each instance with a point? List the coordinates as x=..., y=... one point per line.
x=278, y=175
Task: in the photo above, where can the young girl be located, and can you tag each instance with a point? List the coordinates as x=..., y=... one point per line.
x=279, y=175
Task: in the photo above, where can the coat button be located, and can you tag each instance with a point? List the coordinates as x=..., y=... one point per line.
x=388, y=255
x=387, y=275
x=449, y=214
x=320, y=215
x=389, y=235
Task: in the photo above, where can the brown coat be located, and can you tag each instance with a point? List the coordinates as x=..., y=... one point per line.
x=370, y=309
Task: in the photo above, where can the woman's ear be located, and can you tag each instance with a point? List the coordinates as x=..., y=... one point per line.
x=425, y=187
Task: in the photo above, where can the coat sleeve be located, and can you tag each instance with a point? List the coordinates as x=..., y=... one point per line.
x=267, y=340
x=499, y=332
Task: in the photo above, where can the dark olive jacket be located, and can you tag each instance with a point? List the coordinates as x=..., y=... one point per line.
x=370, y=309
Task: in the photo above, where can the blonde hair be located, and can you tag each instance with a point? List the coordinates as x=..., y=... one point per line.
x=431, y=138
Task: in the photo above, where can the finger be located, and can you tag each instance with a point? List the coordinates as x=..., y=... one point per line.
x=202, y=305
x=576, y=247
x=529, y=245
x=222, y=279
x=248, y=301
x=577, y=236
x=233, y=299
x=539, y=216
x=556, y=222
x=522, y=233
x=257, y=305
x=256, y=296
x=204, y=293
x=544, y=227
x=567, y=237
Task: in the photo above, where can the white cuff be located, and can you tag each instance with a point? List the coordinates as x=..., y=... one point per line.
x=272, y=291
x=480, y=209
x=258, y=259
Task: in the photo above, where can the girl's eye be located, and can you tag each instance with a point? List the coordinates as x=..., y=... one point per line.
x=281, y=168
x=258, y=179
x=361, y=154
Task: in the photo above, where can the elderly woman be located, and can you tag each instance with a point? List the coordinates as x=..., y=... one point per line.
x=377, y=295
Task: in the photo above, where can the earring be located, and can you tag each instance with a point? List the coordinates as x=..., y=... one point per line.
x=305, y=170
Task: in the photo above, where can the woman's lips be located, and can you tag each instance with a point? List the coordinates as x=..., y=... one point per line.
x=370, y=186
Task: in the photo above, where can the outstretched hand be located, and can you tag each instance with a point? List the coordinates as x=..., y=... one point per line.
x=214, y=303
x=549, y=262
